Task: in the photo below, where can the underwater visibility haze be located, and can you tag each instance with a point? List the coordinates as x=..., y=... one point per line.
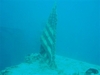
x=22, y=23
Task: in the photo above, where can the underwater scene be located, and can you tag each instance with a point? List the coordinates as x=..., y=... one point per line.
x=50, y=37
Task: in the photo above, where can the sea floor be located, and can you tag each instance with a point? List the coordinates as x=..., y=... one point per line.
x=65, y=66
